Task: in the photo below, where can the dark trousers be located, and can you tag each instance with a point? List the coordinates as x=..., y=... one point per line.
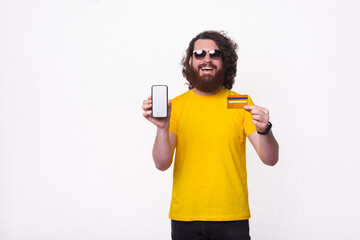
x=203, y=230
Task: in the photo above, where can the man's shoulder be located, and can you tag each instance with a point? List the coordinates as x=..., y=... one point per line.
x=230, y=92
x=181, y=97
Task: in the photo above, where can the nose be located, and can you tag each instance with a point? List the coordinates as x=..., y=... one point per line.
x=207, y=58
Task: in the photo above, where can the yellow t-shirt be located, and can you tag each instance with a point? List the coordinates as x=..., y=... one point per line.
x=210, y=180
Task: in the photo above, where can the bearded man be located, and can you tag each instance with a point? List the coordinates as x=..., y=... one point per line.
x=210, y=194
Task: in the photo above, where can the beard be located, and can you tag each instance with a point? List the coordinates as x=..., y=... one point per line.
x=206, y=83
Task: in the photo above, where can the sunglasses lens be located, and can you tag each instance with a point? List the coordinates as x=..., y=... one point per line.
x=199, y=54
x=215, y=54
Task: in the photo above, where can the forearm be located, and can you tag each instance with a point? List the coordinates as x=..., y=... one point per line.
x=162, y=150
x=268, y=149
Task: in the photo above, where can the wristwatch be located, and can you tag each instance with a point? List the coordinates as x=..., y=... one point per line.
x=267, y=129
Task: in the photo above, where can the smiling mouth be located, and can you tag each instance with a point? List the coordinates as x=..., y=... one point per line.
x=206, y=69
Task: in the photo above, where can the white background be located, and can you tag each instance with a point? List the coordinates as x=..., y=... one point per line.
x=75, y=151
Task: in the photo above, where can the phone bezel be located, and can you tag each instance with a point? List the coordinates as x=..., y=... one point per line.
x=167, y=97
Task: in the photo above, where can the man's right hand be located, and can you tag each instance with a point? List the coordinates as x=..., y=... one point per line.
x=159, y=122
x=165, y=141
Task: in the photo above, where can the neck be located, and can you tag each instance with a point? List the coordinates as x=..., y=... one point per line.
x=202, y=93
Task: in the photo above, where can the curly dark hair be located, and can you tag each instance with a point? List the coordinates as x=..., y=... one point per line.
x=228, y=55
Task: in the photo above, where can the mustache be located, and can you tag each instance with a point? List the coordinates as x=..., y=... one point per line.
x=210, y=64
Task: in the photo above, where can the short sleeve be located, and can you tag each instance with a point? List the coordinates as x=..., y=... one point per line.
x=249, y=127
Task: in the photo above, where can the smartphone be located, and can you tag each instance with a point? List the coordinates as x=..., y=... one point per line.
x=159, y=95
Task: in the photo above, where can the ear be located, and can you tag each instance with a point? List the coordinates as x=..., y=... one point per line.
x=190, y=61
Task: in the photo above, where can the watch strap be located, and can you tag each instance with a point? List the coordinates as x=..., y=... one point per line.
x=267, y=129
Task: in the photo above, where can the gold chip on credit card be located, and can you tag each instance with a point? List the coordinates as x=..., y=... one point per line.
x=237, y=101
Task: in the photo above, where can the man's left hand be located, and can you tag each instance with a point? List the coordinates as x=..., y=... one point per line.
x=260, y=116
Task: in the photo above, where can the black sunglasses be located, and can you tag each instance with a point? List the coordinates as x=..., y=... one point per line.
x=200, y=54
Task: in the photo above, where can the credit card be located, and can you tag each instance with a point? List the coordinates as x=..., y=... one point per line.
x=237, y=101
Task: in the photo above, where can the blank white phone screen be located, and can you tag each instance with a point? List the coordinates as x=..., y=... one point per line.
x=159, y=101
